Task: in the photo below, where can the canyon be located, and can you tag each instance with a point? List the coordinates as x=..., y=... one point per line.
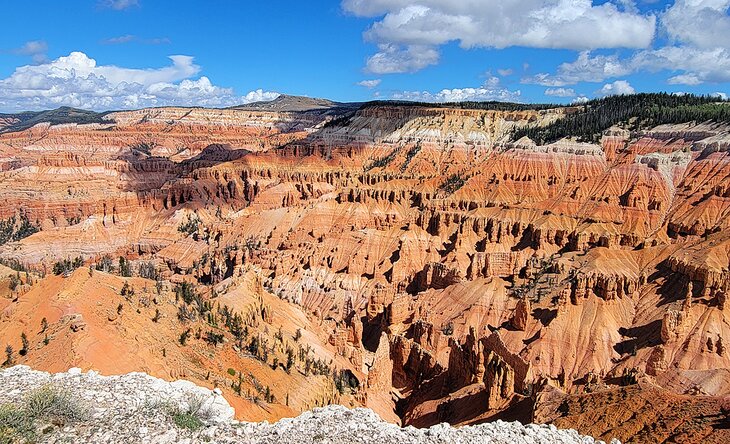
x=417, y=260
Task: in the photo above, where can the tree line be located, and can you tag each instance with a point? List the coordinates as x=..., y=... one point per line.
x=637, y=111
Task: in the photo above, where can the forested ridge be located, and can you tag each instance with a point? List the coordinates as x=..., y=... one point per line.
x=636, y=111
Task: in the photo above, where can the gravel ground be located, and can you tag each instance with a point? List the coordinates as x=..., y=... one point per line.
x=137, y=408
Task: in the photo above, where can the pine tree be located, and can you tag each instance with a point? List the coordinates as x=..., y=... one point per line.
x=24, y=341
x=9, y=355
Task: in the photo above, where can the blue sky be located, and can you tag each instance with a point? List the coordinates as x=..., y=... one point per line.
x=111, y=54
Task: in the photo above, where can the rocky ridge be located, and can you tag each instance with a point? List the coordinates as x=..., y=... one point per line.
x=131, y=408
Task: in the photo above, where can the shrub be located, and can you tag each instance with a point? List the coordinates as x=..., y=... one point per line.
x=14, y=282
x=15, y=425
x=67, y=265
x=452, y=184
x=184, y=337
x=185, y=291
x=8, y=355
x=125, y=269
x=17, y=422
x=24, y=340
x=147, y=270
x=127, y=291
x=190, y=225
x=186, y=420
x=52, y=402
x=106, y=264
x=192, y=416
x=12, y=229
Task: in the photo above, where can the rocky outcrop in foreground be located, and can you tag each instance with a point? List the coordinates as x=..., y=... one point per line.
x=139, y=408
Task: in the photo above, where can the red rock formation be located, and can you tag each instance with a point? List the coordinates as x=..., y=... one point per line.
x=417, y=248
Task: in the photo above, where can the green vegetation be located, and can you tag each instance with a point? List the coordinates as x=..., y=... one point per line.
x=185, y=291
x=13, y=264
x=452, y=184
x=147, y=270
x=125, y=268
x=15, y=282
x=192, y=416
x=24, y=340
x=67, y=265
x=345, y=382
x=8, y=355
x=637, y=111
x=14, y=229
x=214, y=338
x=15, y=425
x=184, y=337
x=186, y=420
x=106, y=264
x=56, y=116
x=383, y=161
x=409, y=156
x=48, y=403
x=190, y=225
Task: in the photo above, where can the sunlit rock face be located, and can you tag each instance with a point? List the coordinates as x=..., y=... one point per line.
x=455, y=274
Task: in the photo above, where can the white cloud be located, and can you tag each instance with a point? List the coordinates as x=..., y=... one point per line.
x=580, y=100
x=393, y=59
x=701, y=23
x=129, y=38
x=617, y=88
x=36, y=49
x=76, y=80
x=698, y=51
x=505, y=72
x=560, y=92
x=259, y=95
x=584, y=69
x=369, y=83
x=118, y=4
x=699, y=65
x=684, y=79
x=120, y=40
x=696, y=66
x=428, y=24
x=720, y=95
x=491, y=90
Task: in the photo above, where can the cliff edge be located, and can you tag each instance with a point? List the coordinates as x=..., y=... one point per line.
x=138, y=408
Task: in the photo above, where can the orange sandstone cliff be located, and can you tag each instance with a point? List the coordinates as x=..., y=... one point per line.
x=414, y=260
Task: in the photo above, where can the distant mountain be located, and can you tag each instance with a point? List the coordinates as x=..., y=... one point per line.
x=24, y=120
x=287, y=103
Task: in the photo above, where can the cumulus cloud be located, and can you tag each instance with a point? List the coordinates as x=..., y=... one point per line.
x=697, y=65
x=617, y=88
x=505, y=72
x=369, y=83
x=491, y=90
x=36, y=49
x=585, y=68
x=409, y=28
x=392, y=59
x=560, y=92
x=698, y=50
x=76, y=80
x=702, y=23
x=259, y=95
x=118, y=4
